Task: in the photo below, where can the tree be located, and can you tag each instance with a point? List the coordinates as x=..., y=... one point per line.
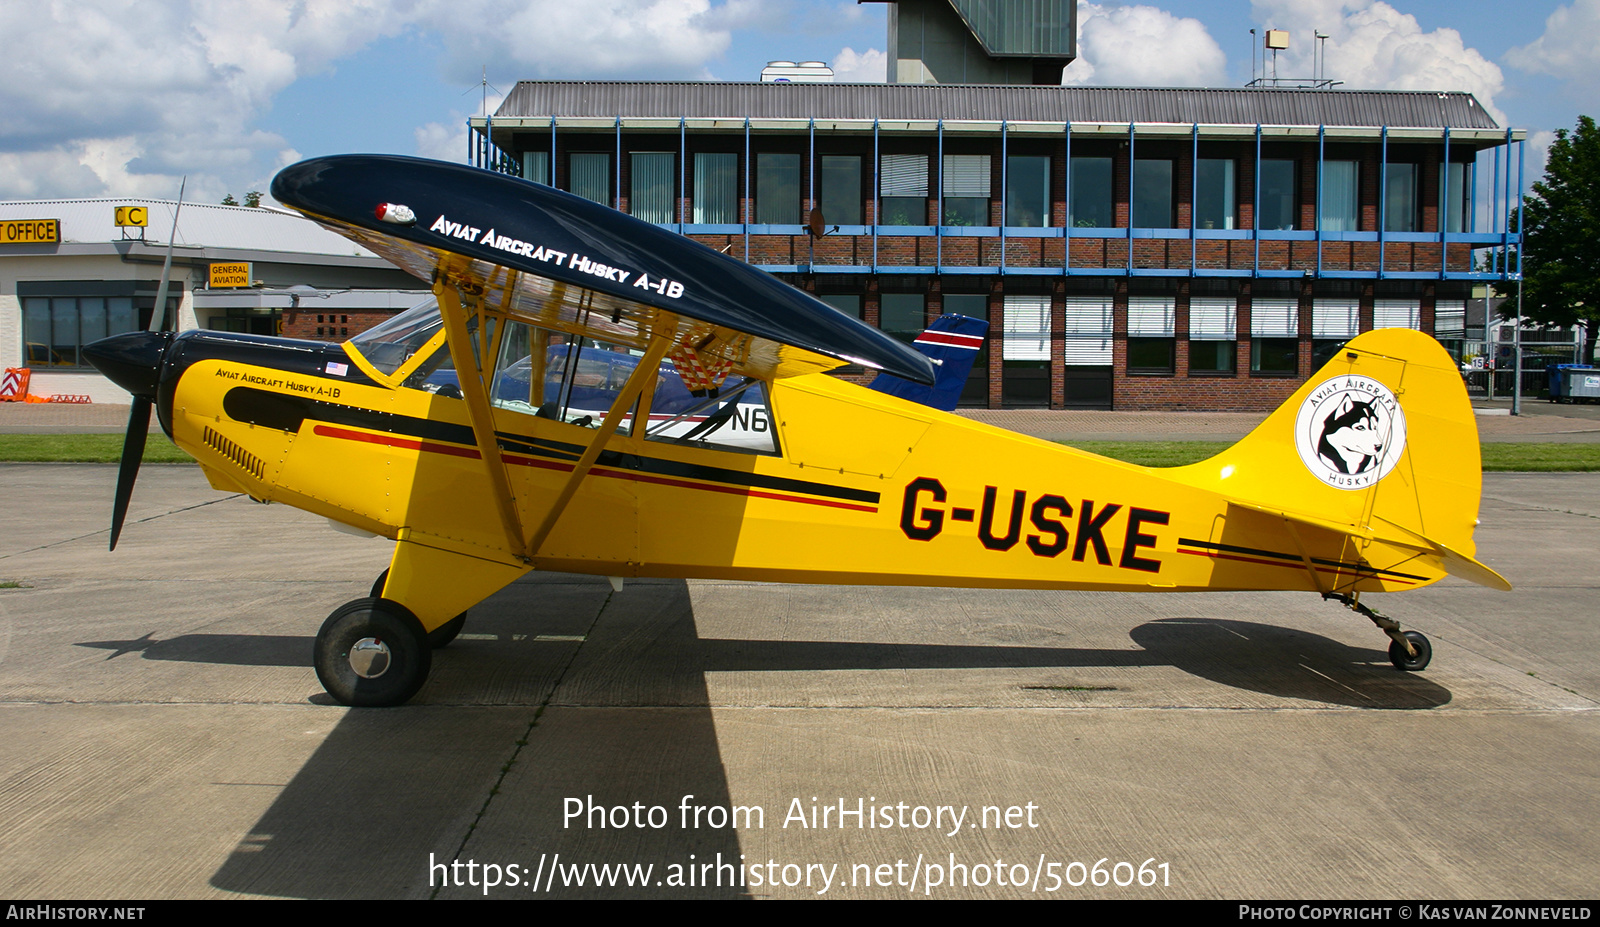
x=253, y=199
x=229, y=200
x=1561, y=241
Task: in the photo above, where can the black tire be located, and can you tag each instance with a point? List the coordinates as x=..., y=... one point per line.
x=1398, y=656
x=387, y=626
x=445, y=633
x=439, y=637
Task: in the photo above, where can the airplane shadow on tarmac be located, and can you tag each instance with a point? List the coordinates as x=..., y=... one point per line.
x=604, y=697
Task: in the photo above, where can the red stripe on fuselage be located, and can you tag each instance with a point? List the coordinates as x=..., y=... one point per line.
x=329, y=431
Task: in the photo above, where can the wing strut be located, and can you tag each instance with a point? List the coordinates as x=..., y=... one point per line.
x=644, y=373
x=1305, y=557
x=470, y=376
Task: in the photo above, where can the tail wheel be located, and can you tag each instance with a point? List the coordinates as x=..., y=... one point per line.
x=437, y=638
x=372, y=653
x=1407, y=662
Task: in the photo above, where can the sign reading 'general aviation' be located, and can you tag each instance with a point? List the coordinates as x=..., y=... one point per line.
x=229, y=274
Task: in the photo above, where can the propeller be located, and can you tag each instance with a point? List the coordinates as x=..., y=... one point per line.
x=133, y=360
x=128, y=466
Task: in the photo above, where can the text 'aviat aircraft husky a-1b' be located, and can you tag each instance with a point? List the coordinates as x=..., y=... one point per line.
x=594, y=394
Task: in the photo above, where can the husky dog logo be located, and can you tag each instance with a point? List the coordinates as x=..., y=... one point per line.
x=1350, y=432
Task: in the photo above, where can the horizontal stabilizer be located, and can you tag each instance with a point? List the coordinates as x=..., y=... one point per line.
x=1451, y=561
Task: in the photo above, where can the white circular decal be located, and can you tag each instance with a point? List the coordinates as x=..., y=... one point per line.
x=1350, y=432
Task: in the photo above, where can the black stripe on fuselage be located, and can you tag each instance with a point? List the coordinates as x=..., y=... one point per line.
x=1295, y=558
x=287, y=413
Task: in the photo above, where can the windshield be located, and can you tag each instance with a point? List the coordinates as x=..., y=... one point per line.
x=391, y=344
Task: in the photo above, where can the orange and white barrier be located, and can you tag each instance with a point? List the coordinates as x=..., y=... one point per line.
x=14, y=384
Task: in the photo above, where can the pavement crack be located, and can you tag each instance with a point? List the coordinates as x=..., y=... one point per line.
x=107, y=530
x=527, y=735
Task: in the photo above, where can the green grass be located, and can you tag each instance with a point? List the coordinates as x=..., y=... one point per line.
x=84, y=449
x=12, y=584
x=1496, y=457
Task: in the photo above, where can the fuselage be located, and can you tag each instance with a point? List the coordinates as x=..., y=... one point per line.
x=862, y=487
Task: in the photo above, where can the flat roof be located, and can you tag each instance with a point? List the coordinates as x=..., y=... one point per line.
x=717, y=100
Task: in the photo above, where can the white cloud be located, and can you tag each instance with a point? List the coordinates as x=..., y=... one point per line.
x=441, y=142
x=129, y=95
x=1143, y=46
x=596, y=38
x=137, y=94
x=1567, y=50
x=1373, y=46
x=868, y=67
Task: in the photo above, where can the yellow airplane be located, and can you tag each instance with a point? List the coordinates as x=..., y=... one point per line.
x=593, y=394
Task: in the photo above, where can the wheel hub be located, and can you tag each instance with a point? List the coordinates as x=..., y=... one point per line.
x=369, y=657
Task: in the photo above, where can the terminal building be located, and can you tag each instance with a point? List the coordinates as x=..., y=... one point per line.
x=1200, y=249
x=70, y=275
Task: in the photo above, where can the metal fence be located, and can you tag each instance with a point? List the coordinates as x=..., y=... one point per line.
x=1489, y=367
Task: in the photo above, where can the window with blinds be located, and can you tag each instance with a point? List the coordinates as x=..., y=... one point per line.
x=1151, y=344
x=1213, y=326
x=1397, y=313
x=1333, y=322
x=1335, y=318
x=1087, y=330
x=1450, y=318
x=1212, y=318
x=1338, y=211
x=590, y=175
x=966, y=189
x=1274, y=337
x=651, y=185
x=1274, y=318
x=1027, y=328
x=1214, y=192
x=1400, y=197
x=1151, y=316
x=716, y=188
x=536, y=167
x=903, y=189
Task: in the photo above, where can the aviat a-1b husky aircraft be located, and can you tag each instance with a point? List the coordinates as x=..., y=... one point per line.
x=592, y=393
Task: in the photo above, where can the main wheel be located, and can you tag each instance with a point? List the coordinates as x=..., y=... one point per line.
x=437, y=638
x=372, y=653
x=1402, y=660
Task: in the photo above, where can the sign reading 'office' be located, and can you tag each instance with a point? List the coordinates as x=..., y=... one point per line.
x=30, y=231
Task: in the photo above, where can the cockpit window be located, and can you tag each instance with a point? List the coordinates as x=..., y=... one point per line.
x=561, y=377
x=389, y=345
x=732, y=417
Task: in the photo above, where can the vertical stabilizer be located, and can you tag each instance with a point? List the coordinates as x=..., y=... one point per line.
x=952, y=343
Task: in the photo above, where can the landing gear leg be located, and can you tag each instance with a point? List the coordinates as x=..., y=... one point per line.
x=437, y=638
x=1408, y=650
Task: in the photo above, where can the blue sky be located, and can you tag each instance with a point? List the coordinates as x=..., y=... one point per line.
x=135, y=95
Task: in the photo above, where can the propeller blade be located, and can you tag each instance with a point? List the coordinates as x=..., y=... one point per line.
x=128, y=468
